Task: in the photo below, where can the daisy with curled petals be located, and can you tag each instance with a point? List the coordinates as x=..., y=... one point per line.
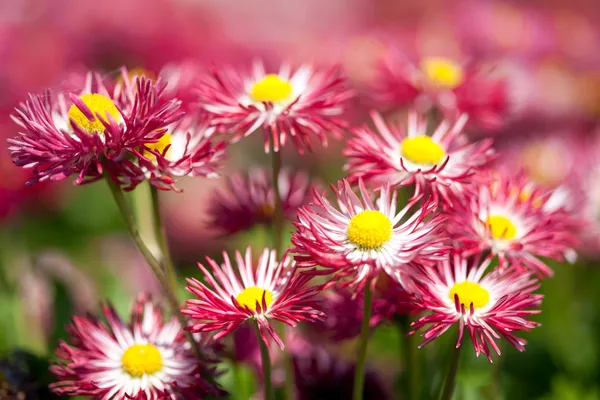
x=296, y=103
x=249, y=199
x=360, y=238
x=272, y=290
x=489, y=307
x=145, y=359
x=442, y=163
x=92, y=131
x=510, y=218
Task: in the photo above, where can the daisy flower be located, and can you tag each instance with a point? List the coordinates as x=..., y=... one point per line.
x=443, y=162
x=84, y=134
x=298, y=103
x=145, y=359
x=489, y=306
x=510, y=217
x=249, y=199
x=360, y=238
x=272, y=290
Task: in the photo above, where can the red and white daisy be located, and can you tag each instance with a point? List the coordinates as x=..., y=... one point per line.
x=249, y=199
x=442, y=163
x=511, y=218
x=95, y=130
x=145, y=359
x=489, y=306
x=451, y=86
x=360, y=238
x=297, y=103
x=272, y=290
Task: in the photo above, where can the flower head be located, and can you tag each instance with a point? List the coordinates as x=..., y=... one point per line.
x=272, y=290
x=489, y=306
x=145, y=359
x=360, y=238
x=291, y=103
x=249, y=199
x=442, y=163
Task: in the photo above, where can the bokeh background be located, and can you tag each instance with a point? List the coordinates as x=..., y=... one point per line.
x=64, y=248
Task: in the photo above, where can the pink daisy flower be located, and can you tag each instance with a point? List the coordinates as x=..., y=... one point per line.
x=272, y=290
x=95, y=130
x=145, y=359
x=299, y=103
x=249, y=199
x=513, y=219
x=360, y=238
x=489, y=306
x=443, y=163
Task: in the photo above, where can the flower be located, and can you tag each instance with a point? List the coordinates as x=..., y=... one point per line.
x=301, y=103
x=443, y=163
x=274, y=290
x=145, y=359
x=511, y=218
x=360, y=238
x=93, y=131
x=437, y=81
x=249, y=199
x=489, y=306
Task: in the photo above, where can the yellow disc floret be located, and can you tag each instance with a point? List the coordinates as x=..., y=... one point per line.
x=159, y=146
x=141, y=359
x=98, y=105
x=442, y=72
x=422, y=150
x=470, y=293
x=501, y=227
x=369, y=230
x=251, y=295
x=271, y=89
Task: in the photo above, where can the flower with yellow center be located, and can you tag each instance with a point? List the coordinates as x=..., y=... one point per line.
x=271, y=89
x=98, y=105
x=470, y=293
x=159, y=146
x=442, y=72
x=369, y=230
x=501, y=227
x=252, y=295
x=422, y=150
x=141, y=359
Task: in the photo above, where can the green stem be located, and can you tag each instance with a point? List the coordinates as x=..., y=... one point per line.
x=161, y=238
x=411, y=363
x=363, y=341
x=450, y=380
x=266, y=364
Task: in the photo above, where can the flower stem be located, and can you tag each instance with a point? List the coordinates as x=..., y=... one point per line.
x=161, y=238
x=363, y=341
x=411, y=363
x=266, y=364
x=450, y=380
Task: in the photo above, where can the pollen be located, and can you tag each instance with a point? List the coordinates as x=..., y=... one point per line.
x=501, y=227
x=470, y=293
x=98, y=105
x=442, y=72
x=271, y=89
x=369, y=230
x=141, y=359
x=159, y=146
x=252, y=295
x=422, y=150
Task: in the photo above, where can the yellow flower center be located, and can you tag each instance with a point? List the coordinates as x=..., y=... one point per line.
x=141, y=359
x=271, y=89
x=422, y=150
x=369, y=230
x=251, y=295
x=501, y=227
x=159, y=146
x=98, y=105
x=470, y=293
x=442, y=72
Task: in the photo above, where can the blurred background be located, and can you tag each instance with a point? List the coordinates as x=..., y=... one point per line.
x=63, y=248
